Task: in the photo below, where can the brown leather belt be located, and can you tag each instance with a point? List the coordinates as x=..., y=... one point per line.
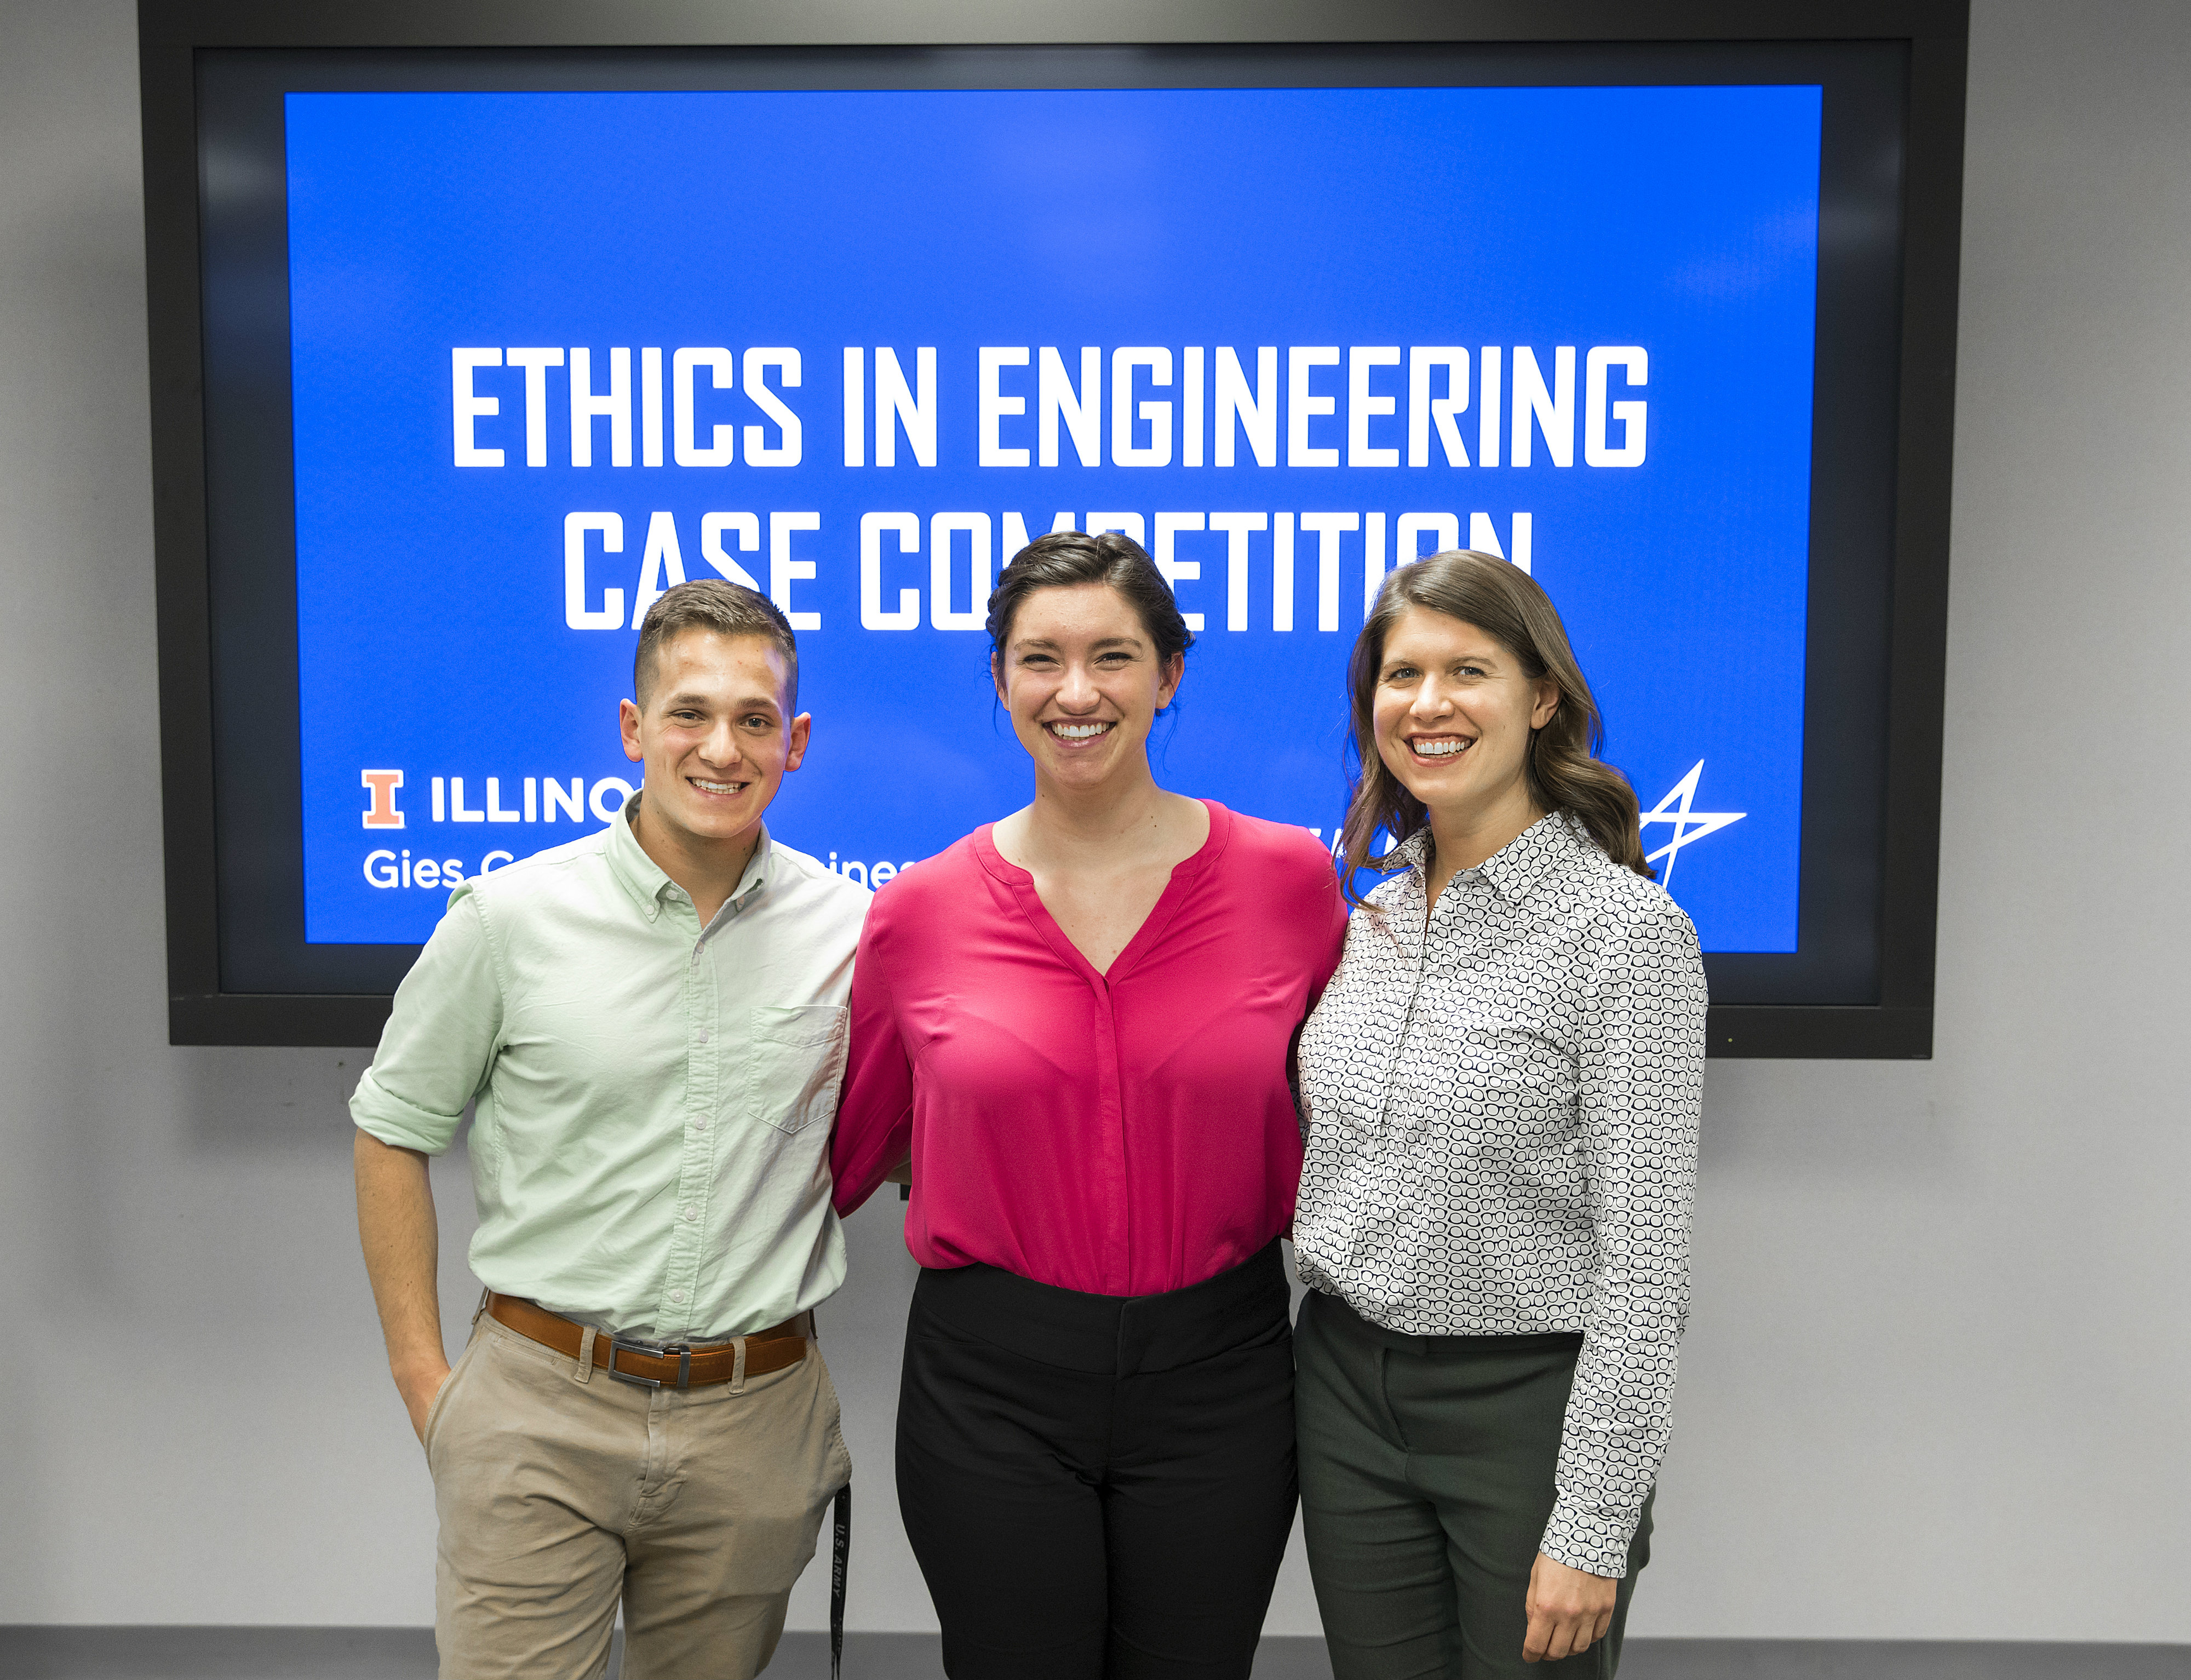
x=652, y=1365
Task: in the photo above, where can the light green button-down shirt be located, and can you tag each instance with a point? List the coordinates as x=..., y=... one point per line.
x=650, y=1146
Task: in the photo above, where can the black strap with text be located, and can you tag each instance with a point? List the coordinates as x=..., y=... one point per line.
x=840, y=1557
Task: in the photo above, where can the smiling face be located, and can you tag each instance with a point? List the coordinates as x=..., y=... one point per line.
x=714, y=737
x=1453, y=714
x=1081, y=677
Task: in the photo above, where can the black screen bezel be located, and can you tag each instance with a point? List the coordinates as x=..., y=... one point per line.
x=1861, y=983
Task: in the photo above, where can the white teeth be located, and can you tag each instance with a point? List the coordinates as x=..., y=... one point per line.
x=1438, y=748
x=1079, y=731
x=716, y=786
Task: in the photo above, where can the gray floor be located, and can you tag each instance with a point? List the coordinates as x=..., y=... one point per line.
x=407, y=1654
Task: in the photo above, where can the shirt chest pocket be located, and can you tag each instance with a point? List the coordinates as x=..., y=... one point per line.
x=1505, y=1076
x=1515, y=1083
x=795, y=1063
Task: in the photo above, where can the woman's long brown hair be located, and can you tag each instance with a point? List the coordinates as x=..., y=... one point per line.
x=1564, y=772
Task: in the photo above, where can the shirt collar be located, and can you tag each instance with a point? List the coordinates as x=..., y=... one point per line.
x=641, y=877
x=1514, y=868
x=1522, y=862
x=1415, y=851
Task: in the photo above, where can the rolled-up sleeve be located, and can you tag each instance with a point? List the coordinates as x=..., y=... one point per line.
x=439, y=1042
x=1643, y=1050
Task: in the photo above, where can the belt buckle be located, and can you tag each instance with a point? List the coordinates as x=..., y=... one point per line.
x=682, y=1350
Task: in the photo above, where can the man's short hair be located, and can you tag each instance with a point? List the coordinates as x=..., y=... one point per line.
x=718, y=605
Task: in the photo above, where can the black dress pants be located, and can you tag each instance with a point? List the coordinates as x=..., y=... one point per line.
x=1098, y=1487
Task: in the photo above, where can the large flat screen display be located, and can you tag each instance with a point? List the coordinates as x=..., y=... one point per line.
x=500, y=345
x=553, y=351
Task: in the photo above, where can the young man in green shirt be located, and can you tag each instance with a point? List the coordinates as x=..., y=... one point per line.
x=652, y=1021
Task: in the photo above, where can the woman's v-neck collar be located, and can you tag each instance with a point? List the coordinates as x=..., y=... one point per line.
x=1185, y=874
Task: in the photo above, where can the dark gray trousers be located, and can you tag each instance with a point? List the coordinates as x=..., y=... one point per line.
x=1426, y=1467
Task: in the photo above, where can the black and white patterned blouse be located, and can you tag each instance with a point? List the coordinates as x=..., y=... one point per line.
x=1502, y=1131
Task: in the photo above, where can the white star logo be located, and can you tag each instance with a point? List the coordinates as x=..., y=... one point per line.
x=1689, y=826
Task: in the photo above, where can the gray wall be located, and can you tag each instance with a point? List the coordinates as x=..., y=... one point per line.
x=1935, y=1386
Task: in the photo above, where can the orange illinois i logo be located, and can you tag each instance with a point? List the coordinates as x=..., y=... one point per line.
x=381, y=812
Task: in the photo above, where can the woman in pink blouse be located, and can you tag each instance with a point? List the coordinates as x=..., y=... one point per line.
x=1077, y=1023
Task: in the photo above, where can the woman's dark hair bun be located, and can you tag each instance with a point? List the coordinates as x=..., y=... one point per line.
x=1064, y=559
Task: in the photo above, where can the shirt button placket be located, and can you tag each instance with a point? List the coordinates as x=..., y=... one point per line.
x=695, y=1173
x=1414, y=964
x=1111, y=1105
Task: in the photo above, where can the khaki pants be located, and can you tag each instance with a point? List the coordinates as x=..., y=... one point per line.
x=560, y=1495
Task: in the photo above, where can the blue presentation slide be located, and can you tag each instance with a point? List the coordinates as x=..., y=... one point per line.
x=553, y=352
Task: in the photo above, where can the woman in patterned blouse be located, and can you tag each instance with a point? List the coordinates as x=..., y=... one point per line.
x=1499, y=1089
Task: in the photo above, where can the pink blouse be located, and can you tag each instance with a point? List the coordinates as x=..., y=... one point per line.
x=1118, y=1133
